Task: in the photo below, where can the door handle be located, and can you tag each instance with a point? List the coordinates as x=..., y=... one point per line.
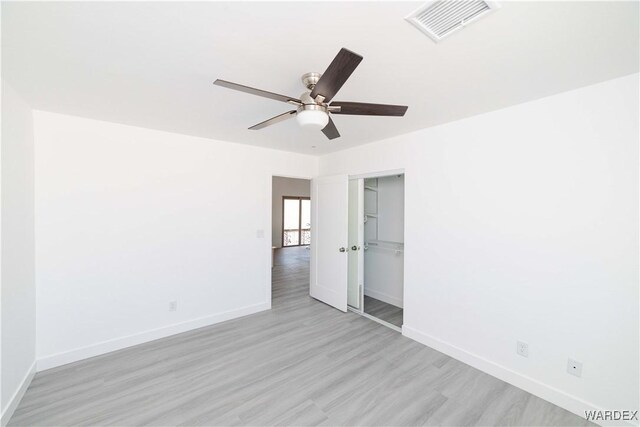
x=342, y=249
x=355, y=248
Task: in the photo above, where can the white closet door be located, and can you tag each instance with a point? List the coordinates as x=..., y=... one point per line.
x=356, y=243
x=329, y=235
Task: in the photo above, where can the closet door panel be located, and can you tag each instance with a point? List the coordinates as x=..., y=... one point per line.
x=356, y=243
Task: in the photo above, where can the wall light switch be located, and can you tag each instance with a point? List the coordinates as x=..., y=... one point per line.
x=260, y=234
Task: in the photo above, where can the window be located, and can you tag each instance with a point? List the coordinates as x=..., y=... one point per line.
x=296, y=221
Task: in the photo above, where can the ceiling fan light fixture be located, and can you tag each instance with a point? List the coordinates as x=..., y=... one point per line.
x=314, y=106
x=312, y=119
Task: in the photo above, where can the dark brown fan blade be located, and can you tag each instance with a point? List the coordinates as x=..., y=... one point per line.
x=274, y=120
x=336, y=74
x=254, y=91
x=330, y=130
x=364, y=109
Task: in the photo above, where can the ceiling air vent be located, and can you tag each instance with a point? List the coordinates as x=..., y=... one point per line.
x=440, y=18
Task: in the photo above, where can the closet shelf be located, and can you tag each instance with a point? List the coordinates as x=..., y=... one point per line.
x=386, y=245
x=387, y=242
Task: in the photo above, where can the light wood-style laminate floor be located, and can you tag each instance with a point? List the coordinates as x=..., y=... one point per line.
x=383, y=311
x=301, y=363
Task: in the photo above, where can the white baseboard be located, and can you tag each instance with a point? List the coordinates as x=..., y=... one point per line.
x=381, y=296
x=544, y=391
x=17, y=396
x=59, y=359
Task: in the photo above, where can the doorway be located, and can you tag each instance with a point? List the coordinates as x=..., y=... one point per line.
x=357, y=245
x=376, y=252
x=290, y=236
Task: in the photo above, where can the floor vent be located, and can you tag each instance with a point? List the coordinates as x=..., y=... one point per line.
x=441, y=18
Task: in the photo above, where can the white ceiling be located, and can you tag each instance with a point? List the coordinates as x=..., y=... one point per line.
x=152, y=64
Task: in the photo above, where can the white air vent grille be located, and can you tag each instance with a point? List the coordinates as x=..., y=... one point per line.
x=440, y=18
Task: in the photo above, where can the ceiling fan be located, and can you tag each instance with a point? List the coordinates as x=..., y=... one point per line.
x=314, y=105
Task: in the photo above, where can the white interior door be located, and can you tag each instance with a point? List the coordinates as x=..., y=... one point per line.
x=356, y=244
x=329, y=242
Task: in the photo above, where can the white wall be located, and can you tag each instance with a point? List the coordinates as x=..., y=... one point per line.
x=285, y=187
x=391, y=208
x=17, y=249
x=383, y=274
x=128, y=219
x=522, y=224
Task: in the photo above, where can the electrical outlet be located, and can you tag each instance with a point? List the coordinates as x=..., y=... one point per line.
x=574, y=367
x=522, y=349
x=173, y=305
x=260, y=234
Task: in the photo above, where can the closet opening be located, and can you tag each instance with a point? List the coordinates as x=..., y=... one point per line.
x=376, y=252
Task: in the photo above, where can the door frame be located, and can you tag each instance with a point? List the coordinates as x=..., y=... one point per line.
x=382, y=174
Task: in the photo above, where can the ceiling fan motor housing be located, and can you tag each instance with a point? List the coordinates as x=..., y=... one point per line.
x=311, y=114
x=309, y=103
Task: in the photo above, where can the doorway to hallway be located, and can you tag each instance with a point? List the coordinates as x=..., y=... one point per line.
x=291, y=236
